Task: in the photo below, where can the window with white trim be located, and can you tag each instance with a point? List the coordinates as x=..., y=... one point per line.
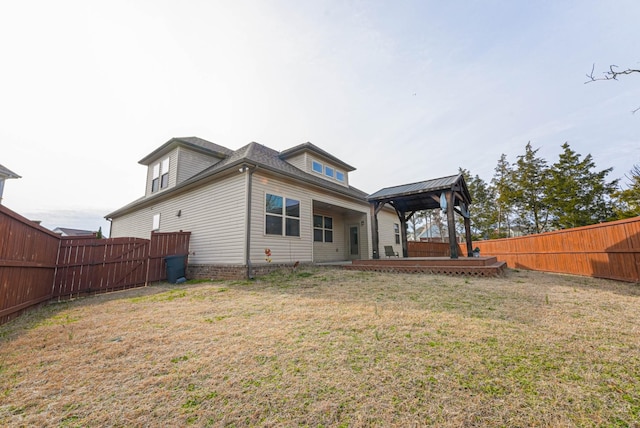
x=322, y=228
x=156, y=222
x=396, y=231
x=339, y=175
x=160, y=177
x=328, y=171
x=282, y=216
x=316, y=167
x=164, y=170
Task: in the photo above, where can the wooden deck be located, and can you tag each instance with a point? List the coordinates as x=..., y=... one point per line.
x=469, y=266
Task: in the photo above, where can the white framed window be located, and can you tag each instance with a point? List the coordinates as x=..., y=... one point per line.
x=316, y=167
x=164, y=170
x=322, y=228
x=155, y=179
x=156, y=222
x=339, y=176
x=396, y=232
x=282, y=216
x=160, y=177
x=328, y=171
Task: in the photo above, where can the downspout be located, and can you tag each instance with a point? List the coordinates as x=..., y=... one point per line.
x=247, y=250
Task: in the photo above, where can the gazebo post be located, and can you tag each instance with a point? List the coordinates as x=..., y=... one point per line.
x=451, y=222
x=403, y=235
x=375, y=239
x=467, y=231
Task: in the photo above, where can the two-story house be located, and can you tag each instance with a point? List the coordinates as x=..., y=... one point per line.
x=296, y=203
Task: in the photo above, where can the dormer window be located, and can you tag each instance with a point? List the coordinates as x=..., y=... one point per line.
x=164, y=170
x=160, y=178
x=340, y=176
x=328, y=171
x=317, y=167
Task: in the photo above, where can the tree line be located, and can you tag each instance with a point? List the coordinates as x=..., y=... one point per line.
x=532, y=196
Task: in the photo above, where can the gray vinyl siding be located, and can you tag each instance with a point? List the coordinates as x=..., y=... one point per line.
x=331, y=251
x=302, y=249
x=213, y=213
x=190, y=163
x=284, y=249
x=300, y=161
x=135, y=225
x=386, y=234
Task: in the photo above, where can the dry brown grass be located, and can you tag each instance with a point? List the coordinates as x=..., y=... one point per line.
x=327, y=347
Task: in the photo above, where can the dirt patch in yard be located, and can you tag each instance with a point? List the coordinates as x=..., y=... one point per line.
x=326, y=347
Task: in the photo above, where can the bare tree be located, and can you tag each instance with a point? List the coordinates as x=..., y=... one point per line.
x=612, y=74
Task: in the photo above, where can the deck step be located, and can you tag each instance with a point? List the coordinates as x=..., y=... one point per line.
x=437, y=267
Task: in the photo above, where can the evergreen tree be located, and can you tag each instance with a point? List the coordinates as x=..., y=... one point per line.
x=629, y=198
x=501, y=183
x=483, y=209
x=578, y=196
x=528, y=191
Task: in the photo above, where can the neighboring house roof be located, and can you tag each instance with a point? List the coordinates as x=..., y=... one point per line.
x=313, y=148
x=193, y=143
x=7, y=173
x=433, y=231
x=251, y=155
x=65, y=231
x=420, y=195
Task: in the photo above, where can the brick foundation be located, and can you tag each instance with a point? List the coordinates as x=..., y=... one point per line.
x=237, y=272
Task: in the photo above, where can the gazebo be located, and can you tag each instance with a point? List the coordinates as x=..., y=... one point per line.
x=450, y=194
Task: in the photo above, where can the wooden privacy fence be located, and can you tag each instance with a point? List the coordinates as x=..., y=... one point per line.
x=37, y=265
x=431, y=249
x=606, y=250
x=28, y=255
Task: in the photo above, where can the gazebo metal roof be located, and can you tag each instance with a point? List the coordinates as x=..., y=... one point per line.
x=423, y=195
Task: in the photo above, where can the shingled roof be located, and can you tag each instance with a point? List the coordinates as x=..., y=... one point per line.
x=253, y=154
x=194, y=143
x=266, y=158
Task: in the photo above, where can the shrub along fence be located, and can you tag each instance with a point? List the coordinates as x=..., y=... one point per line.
x=37, y=265
x=606, y=250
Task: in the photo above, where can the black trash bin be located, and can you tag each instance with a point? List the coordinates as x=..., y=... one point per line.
x=175, y=267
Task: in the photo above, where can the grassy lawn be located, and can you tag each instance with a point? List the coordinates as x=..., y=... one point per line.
x=325, y=347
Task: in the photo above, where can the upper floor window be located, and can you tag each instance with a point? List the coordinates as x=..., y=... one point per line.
x=160, y=177
x=282, y=216
x=328, y=171
x=316, y=166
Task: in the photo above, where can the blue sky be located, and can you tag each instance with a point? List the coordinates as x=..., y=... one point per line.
x=404, y=91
